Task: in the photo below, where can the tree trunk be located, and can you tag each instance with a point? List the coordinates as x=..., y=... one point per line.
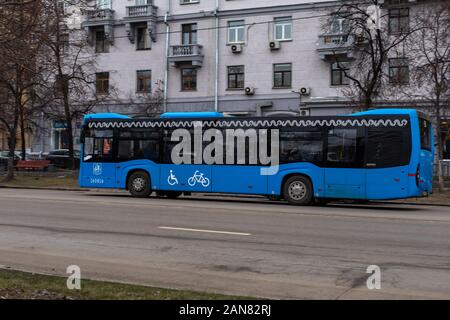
x=22, y=135
x=12, y=149
x=68, y=117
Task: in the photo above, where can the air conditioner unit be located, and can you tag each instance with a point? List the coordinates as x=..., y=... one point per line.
x=274, y=45
x=304, y=112
x=305, y=91
x=249, y=91
x=236, y=48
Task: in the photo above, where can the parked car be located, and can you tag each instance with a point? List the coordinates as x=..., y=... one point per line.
x=60, y=158
x=4, y=156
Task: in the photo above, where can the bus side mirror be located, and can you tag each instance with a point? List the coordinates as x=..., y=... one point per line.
x=82, y=136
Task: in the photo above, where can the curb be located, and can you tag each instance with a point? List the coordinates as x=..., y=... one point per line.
x=44, y=188
x=221, y=195
x=415, y=203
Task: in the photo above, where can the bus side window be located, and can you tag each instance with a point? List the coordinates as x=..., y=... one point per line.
x=344, y=148
x=99, y=146
x=387, y=148
x=301, y=146
x=425, y=134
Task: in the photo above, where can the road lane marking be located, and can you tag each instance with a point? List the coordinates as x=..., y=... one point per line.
x=207, y=231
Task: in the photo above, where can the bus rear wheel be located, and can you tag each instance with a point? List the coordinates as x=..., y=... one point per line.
x=139, y=184
x=297, y=190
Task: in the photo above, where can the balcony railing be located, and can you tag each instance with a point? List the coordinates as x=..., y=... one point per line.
x=185, y=50
x=332, y=41
x=99, y=14
x=146, y=10
x=189, y=53
x=335, y=44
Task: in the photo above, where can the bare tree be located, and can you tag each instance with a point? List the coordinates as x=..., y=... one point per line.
x=148, y=104
x=70, y=62
x=429, y=49
x=18, y=54
x=372, y=44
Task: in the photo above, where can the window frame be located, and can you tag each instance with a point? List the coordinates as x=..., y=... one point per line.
x=183, y=77
x=236, y=29
x=283, y=86
x=236, y=77
x=102, y=81
x=342, y=76
x=284, y=22
x=398, y=68
x=395, y=14
x=139, y=78
x=101, y=45
x=142, y=31
x=192, y=33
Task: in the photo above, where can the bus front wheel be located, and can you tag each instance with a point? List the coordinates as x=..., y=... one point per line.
x=139, y=184
x=297, y=190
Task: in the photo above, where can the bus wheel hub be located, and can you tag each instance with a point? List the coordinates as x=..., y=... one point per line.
x=138, y=184
x=297, y=190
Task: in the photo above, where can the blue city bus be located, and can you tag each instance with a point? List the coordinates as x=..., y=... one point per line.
x=372, y=155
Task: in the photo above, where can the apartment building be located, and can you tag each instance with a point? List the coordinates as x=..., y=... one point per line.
x=235, y=56
x=241, y=57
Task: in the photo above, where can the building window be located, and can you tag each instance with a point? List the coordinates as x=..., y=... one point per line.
x=102, y=82
x=142, y=38
x=236, y=31
x=101, y=43
x=144, y=81
x=188, y=79
x=236, y=77
x=189, y=33
x=398, y=71
x=338, y=70
x=339, y=25
x=282, y=75
x=398, y=20
x=65, y=44
x=283, y=29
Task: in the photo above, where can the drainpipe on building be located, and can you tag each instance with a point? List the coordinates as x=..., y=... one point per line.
x=216, y=84
x=166, y=71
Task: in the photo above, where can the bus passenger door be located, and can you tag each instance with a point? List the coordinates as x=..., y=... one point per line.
x=345, y=176
x=97, y=168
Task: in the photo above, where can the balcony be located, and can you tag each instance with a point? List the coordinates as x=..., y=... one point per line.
x=141, y=11
x=141, y=15
x=331, y=45
x=98, y=17
x=190, y=54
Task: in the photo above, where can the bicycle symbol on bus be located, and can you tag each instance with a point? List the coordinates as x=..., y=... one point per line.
x=198, y=177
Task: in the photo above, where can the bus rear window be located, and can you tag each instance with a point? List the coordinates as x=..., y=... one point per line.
x=425, y=134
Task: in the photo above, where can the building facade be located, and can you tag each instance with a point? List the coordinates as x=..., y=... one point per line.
x=240, y=57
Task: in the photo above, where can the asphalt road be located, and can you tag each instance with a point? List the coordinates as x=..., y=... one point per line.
x=228, y=245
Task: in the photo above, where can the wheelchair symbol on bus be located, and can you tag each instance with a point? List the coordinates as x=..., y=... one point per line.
x=198, y=177
x=172, y=179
